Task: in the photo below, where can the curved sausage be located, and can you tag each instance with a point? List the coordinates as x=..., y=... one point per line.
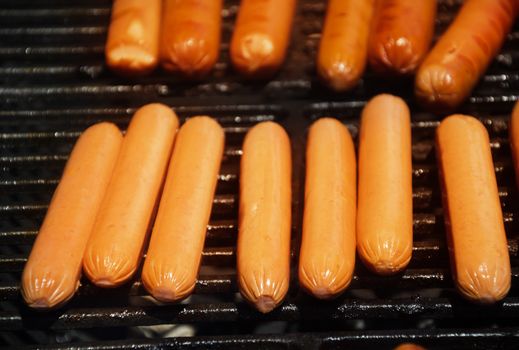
x=51, y=275
x=344, y=43
x=190, y=42
x=461, y=56
x=132, y=47
x=114, y=249
x=409, y=346
x=385, y=206
x=177, y=240
x=265, y=216
x=327, y=256
x=473, y=217
x=261, y=36
x=514, y=140
x=401, y=34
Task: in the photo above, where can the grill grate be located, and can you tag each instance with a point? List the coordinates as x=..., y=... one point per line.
x=53, y=84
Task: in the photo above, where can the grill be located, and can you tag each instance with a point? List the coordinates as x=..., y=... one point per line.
x=54, y=84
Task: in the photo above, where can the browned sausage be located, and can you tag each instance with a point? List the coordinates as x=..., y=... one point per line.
x=190, y=42
x=461, y=56
x=401, y=34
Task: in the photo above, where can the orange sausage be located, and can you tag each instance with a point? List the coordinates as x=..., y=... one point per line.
x=327, y=257
x=344, y=43
x=473, y=217
x=265, y=216
x=514, y=140
x=132, y=47
x=261, y=35
x=409, y=346
x=114, y=249
x=173, y=258
x=385, y=206
x=51, y=275
x=461, y=56
x=401, y=34
x=190, y=42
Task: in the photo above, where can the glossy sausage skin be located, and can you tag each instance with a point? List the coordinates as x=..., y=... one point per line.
x=177, y=240
x=473, y=217
x=114, y=250
x=132, y=47
x=460, y=57
x=344, y=43
x=409, y=346
x=265, y=216
x=190, y=38
x=261, y=36
x=514, y=140
x=385, y=206
x=401, y=34
x=51, y=275
x=327, y=256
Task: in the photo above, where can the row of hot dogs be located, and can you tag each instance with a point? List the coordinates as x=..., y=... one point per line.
x=394, y=36
x=104, y=205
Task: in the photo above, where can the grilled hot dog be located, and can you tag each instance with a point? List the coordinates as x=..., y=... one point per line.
x=327, y=255
x=461, y=56
x=173, y=258
x=473, y=217
x=385, y=206
x=114, y=249
x=401, y=34
x=264, y=218
x=51, y=275
x=132, y=47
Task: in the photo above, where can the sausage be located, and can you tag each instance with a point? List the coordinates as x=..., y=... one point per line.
x=344, y=43
x=261, y=36
x=177, y=240
x=461, y=56
x=190, y=42
x=327, y=256
x=473, y=217
x=385, y=205
x=132, y=47
x=264, y=216
x=51, y=274
x=401, y=34
x=514, y=140
x=114, y=249
x=409, y=346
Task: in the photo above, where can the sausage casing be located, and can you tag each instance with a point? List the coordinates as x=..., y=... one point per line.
x=327, y=256
x=177, y=240
x=114, y=249
x=265, y=216
x=190, y=38
x=385, y=205
x=132, y=47
x=473, y=217
x=51, y=275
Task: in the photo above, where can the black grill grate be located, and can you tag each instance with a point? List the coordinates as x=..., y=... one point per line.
x=53, y=84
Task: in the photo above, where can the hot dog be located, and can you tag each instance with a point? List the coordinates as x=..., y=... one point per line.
x=401, y=34
x=473, y=217
x=190, y=41
x=264, y=217
x=343, y=49
x=177, y=240
x=385, y=205
x=132, y=47
x=327, y=256
x=51, y=275
x=261, y=35
x=114, y=249
x=461, y=56
x=409, y=346
x=514, y=140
